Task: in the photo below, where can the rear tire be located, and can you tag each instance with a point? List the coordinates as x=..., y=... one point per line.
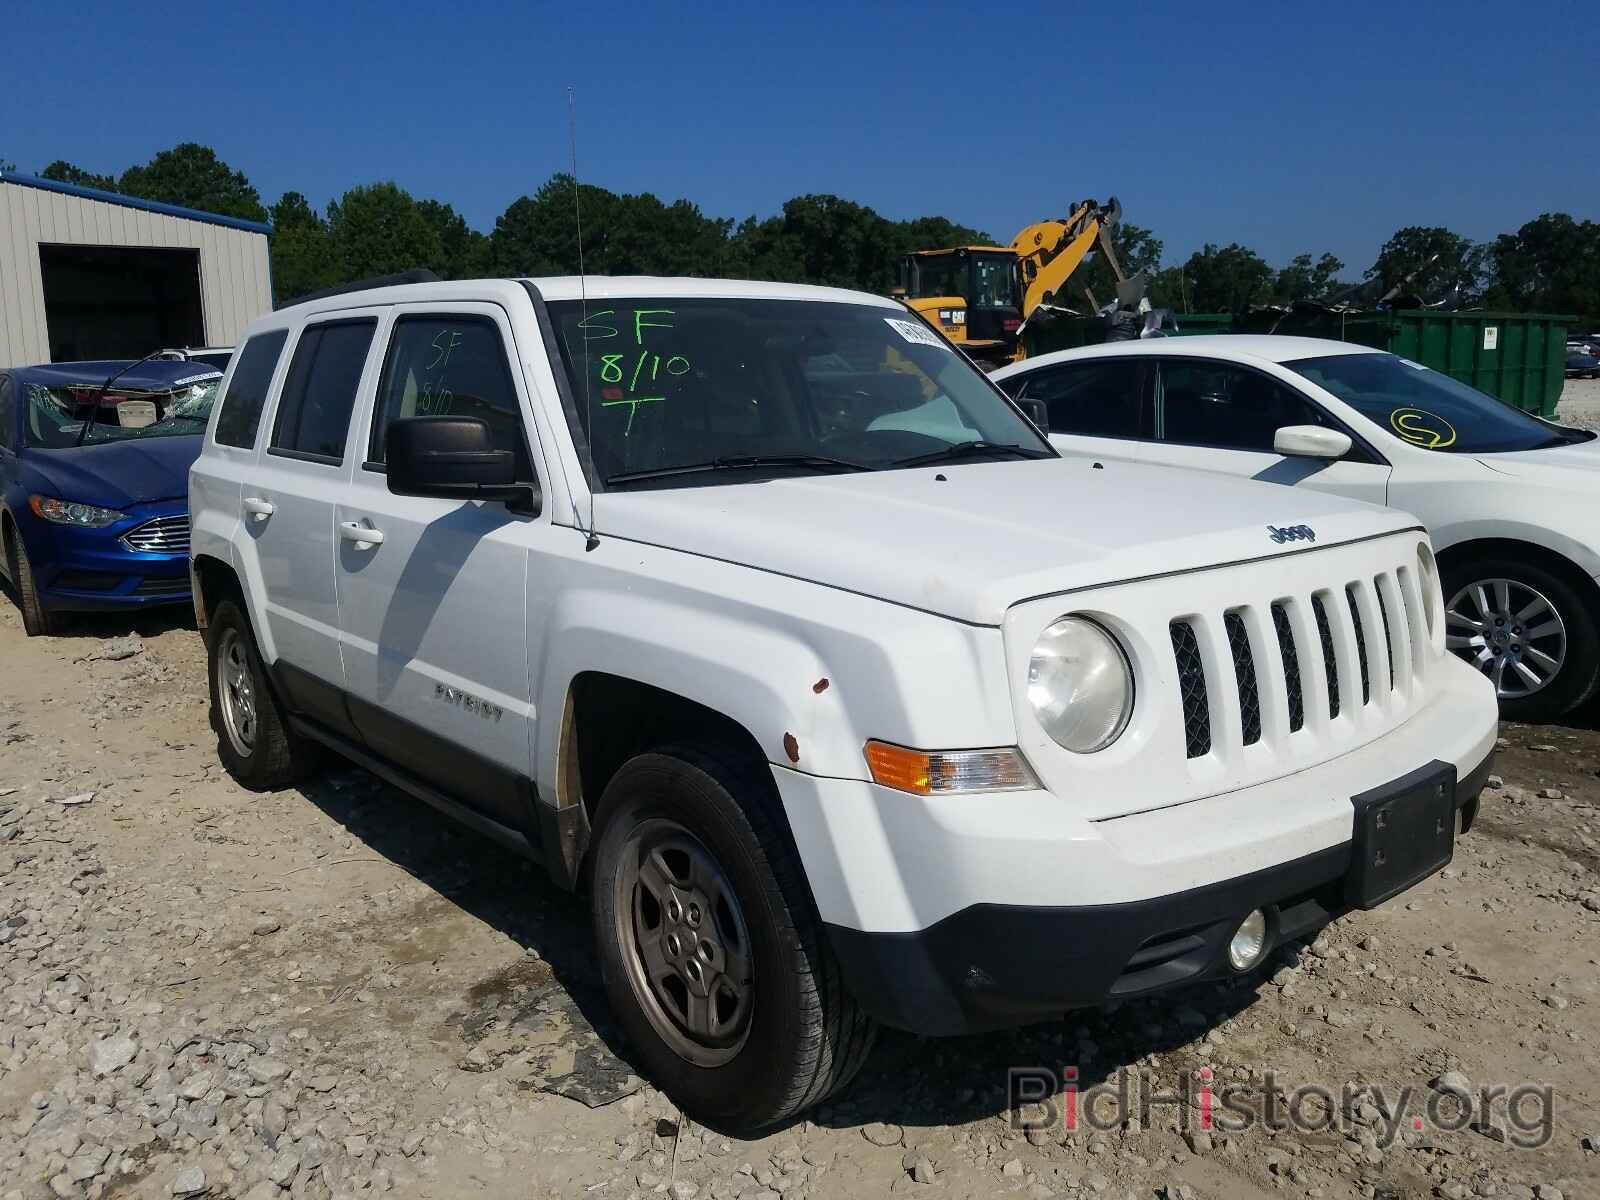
x=254, y=740
x=37, y=620
x=777, y=1031
x=1576, y=647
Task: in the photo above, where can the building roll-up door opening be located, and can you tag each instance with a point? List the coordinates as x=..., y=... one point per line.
x=120, y=302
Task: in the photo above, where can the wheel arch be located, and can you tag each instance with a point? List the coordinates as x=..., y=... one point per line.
x=607, y=719
x=214, y=581
x=1459, y=553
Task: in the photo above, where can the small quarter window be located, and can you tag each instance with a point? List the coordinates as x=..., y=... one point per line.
x=8, y=414
x=320, y=389
x=246, y=393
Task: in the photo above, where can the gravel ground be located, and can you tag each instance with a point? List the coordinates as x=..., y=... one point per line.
x=331, y=992
x=1580, y=403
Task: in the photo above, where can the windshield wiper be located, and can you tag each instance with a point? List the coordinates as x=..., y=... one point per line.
x=734, y=462
x=968, y=449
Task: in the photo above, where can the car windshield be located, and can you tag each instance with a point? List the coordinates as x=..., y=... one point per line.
x=56, y=415
x=1428, y=408
x=661, y=384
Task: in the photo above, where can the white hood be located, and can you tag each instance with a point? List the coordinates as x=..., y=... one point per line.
x=988, y=534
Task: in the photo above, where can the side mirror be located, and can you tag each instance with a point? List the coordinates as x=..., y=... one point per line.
x=453, y=458
x=1311, y=441
x=1036, y=411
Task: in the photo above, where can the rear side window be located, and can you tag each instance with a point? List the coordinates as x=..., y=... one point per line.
x=320, y=390
x=449, y=366
x=247, y=390
x=1092, y=399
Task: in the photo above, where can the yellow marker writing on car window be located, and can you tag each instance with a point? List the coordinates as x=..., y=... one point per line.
x=1422, y=428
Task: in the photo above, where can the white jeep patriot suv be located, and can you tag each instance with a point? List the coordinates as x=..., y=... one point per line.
x=762, y=615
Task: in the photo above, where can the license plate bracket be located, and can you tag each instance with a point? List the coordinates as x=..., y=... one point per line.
x=1404, y=832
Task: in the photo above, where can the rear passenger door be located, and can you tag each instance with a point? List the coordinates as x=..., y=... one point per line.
x=432, y=592
x=1220, y=416
x=1098, y=407
x=288, y=506
x=8, y=450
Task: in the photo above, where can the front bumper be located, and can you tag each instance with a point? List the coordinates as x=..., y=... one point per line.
x=94, y=570
x=991, y=966
x=964, y=913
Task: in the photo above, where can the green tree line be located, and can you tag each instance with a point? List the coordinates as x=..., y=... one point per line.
x=1550, y=264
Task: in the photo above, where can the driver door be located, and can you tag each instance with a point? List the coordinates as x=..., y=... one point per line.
x=1219, y=416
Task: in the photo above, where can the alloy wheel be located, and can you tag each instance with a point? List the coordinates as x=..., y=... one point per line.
x=685, y=943
x=1509, y=631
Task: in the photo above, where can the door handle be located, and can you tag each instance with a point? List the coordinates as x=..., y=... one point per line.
x=362, y=535
x=258, y=508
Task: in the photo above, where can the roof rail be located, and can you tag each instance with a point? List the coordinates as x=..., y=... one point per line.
x=414, y=275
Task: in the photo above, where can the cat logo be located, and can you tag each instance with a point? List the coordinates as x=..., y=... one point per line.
x=1291, y=533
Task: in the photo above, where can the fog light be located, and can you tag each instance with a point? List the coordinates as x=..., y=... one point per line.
x=1249, y=941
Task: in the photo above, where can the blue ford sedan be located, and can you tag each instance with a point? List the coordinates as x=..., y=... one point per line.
x=94, y=511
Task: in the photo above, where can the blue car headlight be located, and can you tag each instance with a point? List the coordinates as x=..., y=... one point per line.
x=70, y=512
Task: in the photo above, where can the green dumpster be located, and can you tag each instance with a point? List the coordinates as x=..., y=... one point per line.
x=1069, y=333
x=1519, y=357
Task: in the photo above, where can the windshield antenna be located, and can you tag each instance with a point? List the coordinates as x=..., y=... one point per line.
x=583, y=302
x=83, y=430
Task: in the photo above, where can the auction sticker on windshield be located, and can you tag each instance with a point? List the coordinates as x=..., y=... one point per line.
x=918, y=335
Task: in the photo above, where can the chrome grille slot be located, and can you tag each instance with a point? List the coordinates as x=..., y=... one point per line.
x=1192, y=689
x=1291, y=666
x=1330, y=664
x=1244, y=672
x=160, y=535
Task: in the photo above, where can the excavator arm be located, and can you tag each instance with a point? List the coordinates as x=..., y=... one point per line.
x=1048, y=252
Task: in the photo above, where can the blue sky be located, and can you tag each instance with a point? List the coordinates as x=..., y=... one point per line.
x=1211, y=122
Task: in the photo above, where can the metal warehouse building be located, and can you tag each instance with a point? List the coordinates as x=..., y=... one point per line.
x=89, y=274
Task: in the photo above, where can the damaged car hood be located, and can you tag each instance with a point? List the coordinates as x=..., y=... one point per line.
x=968, y=541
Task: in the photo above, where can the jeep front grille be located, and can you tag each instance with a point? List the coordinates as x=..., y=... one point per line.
x=160, y=535
x=1285, y=659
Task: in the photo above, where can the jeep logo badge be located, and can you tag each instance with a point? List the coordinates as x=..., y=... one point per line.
x=1291, y=533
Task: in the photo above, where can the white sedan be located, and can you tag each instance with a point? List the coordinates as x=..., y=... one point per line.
x=1512, y=501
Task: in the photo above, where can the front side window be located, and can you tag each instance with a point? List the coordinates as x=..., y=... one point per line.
x=1427, y=408
x=450, y=366
x=664, y=384
x=320, y=390
x=247, y=389
x=1206, y=403
x=1092, y=399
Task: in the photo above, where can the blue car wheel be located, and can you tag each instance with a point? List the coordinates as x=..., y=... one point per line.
x=37, y=620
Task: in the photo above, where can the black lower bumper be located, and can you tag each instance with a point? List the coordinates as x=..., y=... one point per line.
x=991, y=966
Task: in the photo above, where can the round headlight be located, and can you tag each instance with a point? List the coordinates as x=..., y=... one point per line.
x=1080, y=685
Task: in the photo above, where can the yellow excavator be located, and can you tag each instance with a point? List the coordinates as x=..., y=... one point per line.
x=981, y=296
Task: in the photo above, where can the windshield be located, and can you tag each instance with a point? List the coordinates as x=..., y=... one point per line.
x=56, y=415
x=664, y=383
x=1428, y=408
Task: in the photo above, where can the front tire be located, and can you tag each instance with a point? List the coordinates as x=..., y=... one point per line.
x=1529, y=629
x=254, y=740
x=37, y=620
x=711, y=950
